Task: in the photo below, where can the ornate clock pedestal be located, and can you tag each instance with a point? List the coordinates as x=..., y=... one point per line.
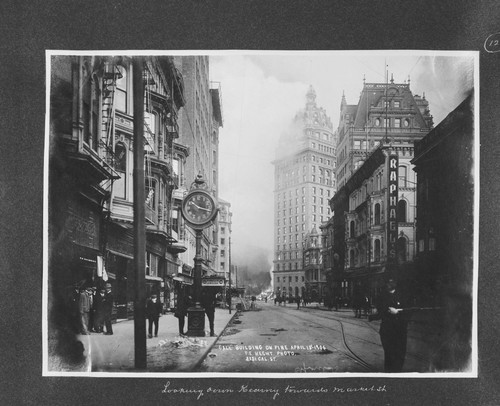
x=196, y=322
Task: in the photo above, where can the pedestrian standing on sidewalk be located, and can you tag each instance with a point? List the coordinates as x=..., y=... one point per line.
x=99, y=311
x=92, y=316
x=153, y=311
x=84, y=306
x=181, y=309
x=208, y=302
x=107, y=309
x=298, y=299
x=393, y=328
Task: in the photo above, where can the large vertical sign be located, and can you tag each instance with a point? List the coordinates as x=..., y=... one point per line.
x=392, y=205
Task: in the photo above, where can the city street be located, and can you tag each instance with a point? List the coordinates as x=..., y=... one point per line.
x=283, y=339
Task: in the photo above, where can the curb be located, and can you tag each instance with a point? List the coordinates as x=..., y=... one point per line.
x=209, y=348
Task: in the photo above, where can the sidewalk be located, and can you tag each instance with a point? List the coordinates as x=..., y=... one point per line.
x=168, y=352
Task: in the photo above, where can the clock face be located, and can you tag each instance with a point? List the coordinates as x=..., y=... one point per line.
x=198, y=208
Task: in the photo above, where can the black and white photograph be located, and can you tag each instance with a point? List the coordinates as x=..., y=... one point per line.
x=249, y=202
x=287, y=213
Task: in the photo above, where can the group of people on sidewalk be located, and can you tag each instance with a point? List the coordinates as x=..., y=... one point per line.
x=92, y=309
x=184, y=301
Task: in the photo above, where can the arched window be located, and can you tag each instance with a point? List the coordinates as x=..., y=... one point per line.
x=352, y=230
x=377, y=251
x=402, y=249
x=377, y=214
x=401, y=212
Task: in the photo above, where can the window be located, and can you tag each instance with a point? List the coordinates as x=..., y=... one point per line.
x=401, y=211
x=151, y=264
x=121, y=90
x=222, y=253
x=406, y=122
x=377, y=214
x=403, y=174
x=223, y=230
x=432, y=244
x=175, y=220
x=377, y=250
x=397, y=103
x=222, y=266
x=402, y=249
x=121, y=168
x=90, y=105
x=397, y=122
x=150, y=193
x=352, y=229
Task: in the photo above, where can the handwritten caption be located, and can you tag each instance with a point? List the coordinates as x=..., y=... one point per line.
x=270, y=353
x=274, y=393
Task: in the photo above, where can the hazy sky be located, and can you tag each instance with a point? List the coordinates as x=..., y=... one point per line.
x=261, y=93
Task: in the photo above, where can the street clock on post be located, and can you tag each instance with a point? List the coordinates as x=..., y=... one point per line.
x=199, y=208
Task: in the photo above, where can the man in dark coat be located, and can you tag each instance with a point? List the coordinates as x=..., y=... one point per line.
x=181, y=308
x=393, y=328
x=107, y=309
x=153, y=311
x=99, y=311
x=208, y=302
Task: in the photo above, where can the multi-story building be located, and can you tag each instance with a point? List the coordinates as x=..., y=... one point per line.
x=199, y=124
x=304, y=183
x=91, y=168
x=444, y=162
x=315, y=277
x=385, y=112
x=224, y=223
x=375, y=208
x=445, y=168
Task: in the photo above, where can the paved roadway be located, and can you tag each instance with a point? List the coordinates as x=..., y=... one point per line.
x=282, y=339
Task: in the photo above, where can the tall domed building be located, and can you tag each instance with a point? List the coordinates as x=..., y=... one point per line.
x=304, y=171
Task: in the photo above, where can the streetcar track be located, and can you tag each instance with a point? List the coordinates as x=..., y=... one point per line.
x=358, y=324
x=349, y=353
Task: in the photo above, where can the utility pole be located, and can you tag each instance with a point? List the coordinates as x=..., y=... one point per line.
x=139, y=216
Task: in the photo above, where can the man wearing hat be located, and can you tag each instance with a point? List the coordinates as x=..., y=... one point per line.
x=393, y=328
x=153, y=311
x=107, y=309
x=85, y=305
